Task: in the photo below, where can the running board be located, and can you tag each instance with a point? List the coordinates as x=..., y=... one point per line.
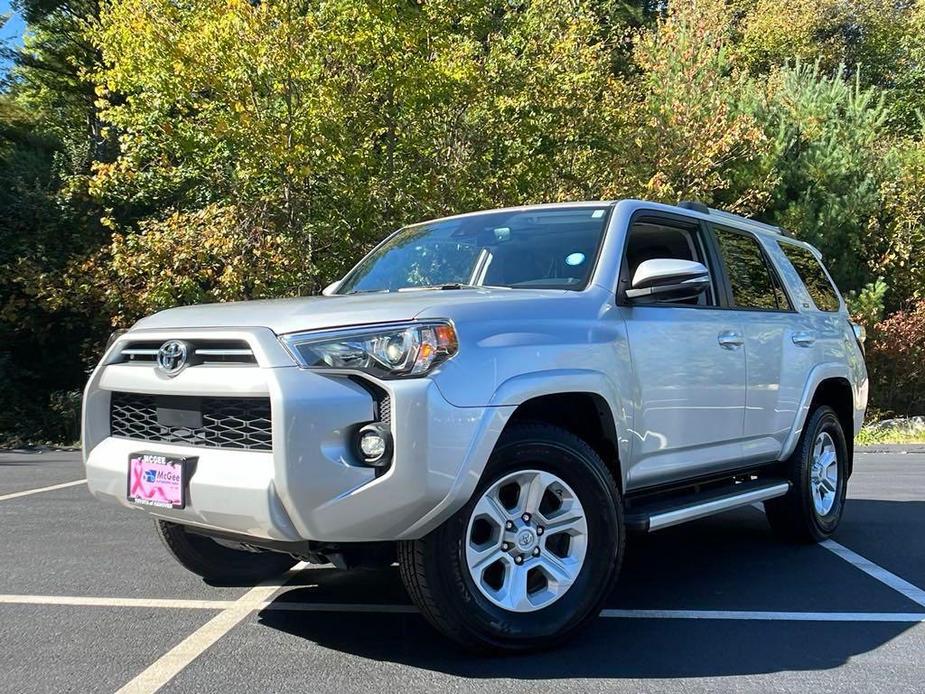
x=665, y=513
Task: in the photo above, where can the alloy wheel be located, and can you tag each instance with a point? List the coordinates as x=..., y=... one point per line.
x=823, y=479
x=526, y=540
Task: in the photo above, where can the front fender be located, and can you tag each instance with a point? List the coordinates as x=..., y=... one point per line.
x=527, y=386
x=503, y=404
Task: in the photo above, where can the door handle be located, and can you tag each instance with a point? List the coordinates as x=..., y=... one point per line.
x=730, y=340
x=804, y=339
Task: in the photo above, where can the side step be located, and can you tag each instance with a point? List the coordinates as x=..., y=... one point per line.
x=664, y=513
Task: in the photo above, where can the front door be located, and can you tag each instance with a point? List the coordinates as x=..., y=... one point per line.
x=688, y=364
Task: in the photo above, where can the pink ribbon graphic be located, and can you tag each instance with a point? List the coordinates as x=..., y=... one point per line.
x=138, y=489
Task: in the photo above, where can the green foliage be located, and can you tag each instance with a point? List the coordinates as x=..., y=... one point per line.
x=334, y=122
x=41, y=347
x=827, y=138
x=201, y=256
x=873, y=435
x=155, y=152
x=908, y=95
x=832, y=33
x=48, y=79
x=867, y=304
x=897, y=234
x=684, y=129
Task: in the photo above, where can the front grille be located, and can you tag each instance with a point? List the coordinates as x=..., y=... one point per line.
x=236, y=423
x=200, y=351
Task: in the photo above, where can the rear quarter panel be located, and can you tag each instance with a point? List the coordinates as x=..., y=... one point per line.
x=836, y=353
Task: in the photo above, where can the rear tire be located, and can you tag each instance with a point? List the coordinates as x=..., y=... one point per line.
x=217, y=563
x=567, y=571
x=812, y=509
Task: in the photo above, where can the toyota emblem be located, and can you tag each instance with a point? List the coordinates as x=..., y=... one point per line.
x=172, y=357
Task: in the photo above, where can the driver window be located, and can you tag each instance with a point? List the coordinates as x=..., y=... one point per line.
x=649, y=240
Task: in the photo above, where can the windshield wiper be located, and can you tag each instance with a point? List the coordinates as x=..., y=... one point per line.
x=448, y=285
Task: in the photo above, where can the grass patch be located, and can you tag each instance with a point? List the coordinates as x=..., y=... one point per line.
x=870, y=437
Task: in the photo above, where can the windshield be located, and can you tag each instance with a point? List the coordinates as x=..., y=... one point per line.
x=545, y=248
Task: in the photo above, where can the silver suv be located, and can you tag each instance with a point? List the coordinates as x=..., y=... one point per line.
x=492, y=400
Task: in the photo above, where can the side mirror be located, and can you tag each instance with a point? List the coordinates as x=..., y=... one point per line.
x=668, y=279
x=331, y=289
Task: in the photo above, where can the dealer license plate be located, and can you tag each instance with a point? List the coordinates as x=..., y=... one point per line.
x=157, y=480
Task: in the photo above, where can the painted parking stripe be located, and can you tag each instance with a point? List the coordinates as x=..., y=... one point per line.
x=29, y=492
x=887, y=578
x=739, y=615
x=256, y=601
x=165, y=668
x=900, y=585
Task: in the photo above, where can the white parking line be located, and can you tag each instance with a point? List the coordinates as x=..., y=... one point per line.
x=253, y=601
x=900, y=585
x=740, y=615
x=28, y=492
x=177, y=658
x=887, y=578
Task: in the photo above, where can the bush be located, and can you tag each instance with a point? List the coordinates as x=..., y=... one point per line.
x=896, y=362
x=53, y=420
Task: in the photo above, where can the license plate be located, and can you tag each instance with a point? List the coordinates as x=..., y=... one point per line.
x=157, y=480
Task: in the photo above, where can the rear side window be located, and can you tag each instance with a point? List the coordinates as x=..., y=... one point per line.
x=810, y=270
x=754, y=284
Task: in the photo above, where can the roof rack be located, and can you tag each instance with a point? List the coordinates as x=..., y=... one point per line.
x=730, y=217
x=694, y=205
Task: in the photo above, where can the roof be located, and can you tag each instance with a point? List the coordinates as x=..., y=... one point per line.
x=691, y=209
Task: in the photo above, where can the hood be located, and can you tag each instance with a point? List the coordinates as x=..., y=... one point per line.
x=318, y=312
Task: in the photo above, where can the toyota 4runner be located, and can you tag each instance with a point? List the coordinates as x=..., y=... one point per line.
x=492, y=400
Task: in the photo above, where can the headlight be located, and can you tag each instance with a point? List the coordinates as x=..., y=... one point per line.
x=386, y=351
x=113, y=336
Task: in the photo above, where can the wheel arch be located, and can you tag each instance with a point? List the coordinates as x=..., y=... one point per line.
x=836, y=392
x=585, y=414
x=829, y=384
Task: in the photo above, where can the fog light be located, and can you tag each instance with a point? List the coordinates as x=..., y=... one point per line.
x=375, y=444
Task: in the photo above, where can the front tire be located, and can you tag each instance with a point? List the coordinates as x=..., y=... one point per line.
x=818, y=472
x=218, y=563
x=531, y=557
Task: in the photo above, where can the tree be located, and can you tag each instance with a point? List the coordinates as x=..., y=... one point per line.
x=49, y=78
x=40, y=347
x=834, y=34
x=155, y=152
x=49, y=135
x=328, y=124
x=828, y=144
x=897, y=234
x=685, y=129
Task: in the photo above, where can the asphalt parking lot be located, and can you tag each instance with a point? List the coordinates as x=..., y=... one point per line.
x=90, y=602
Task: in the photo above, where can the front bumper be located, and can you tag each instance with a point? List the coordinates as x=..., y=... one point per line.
x=311, y=486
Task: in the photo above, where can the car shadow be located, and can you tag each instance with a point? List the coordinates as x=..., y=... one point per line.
x=730, y=563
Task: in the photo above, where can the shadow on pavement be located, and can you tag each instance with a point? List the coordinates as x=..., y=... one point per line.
x=724, y=563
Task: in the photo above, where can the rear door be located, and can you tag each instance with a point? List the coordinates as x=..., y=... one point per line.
x=777, y=360
x=688, y=363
